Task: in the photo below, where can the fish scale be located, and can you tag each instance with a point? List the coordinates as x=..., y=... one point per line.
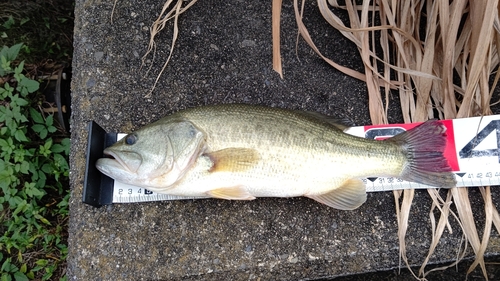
x=241, y=152
x=310, y=144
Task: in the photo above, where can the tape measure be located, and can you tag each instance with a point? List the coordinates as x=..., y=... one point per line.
x=472, y=150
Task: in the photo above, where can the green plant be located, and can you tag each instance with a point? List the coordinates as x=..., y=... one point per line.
x=33, y=179
x=41, y=25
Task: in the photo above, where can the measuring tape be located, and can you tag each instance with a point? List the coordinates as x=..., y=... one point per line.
x=472, y=150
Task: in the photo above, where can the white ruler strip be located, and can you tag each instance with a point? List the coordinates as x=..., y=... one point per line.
x=472, y=151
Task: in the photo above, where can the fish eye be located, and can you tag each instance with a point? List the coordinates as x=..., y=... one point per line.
x=131, y=139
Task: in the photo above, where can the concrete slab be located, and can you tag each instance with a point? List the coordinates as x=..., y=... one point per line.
x=223, y=55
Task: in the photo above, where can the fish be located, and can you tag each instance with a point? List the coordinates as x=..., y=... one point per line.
x=241, y=152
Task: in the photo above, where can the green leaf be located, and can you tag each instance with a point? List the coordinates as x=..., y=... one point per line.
x=47, y=22
x=42, y=262
x=14, y=201
x=17, y=115
x=49, y=121
x=12, y=52
x=30, y=85
x=24, y=167
x=61, y=162
x=23, y=268
x=19, y=155
x=32, y=191
x=47, y=168
x=7, y=146
x=3, y=115
x=4, y=66
x=19, y=69
x=21, y=102
x=23, y=119
x=67, y=145
x=21, y=207
x=38, y=128
x=57, y=148
x=36, y=116
x=64, y=202
x=19, y=135
x=51, y=129
x=8, y=88
x=43, y=134
x=19, y=276
x=3, y=143
x=48, y=274
x=6, y=92
x=24, y=20
x=4, y=180
x=42, y=219
x=9, y=22
x=41, y=179
x=48, y=144
x=6, y=265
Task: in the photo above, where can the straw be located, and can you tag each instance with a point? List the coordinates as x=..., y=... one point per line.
x=462, y=39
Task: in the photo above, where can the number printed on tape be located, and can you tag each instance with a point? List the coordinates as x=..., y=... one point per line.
x=479, y=144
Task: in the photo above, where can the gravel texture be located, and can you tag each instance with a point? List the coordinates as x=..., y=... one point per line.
x=223, y=55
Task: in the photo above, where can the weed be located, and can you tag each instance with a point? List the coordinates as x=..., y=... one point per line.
x=41, y=25
x=34, y=184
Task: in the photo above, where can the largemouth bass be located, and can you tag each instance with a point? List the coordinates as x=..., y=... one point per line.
x=240, y=152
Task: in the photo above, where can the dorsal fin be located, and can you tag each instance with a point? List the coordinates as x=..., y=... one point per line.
x=341, y=123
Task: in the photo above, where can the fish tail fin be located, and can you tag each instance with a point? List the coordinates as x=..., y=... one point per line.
x=424, y=146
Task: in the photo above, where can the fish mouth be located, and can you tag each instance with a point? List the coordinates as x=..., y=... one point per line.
x=113, y=159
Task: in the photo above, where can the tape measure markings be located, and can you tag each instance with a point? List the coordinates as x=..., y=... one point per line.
x=472, y=151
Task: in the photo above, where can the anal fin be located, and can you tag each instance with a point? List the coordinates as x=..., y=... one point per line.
x=231, y=193
x=348, y=196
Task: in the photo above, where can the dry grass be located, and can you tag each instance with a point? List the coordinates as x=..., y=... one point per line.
x=276, y=10
x=461, y=42
x=171, y=10
x=179, y=7
x=461, y=39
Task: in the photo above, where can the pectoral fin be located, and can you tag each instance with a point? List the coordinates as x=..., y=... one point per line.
x=348, y=196
x=233, y=159
x=231, y=193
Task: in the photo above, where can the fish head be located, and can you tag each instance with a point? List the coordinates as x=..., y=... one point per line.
x=157, y=155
